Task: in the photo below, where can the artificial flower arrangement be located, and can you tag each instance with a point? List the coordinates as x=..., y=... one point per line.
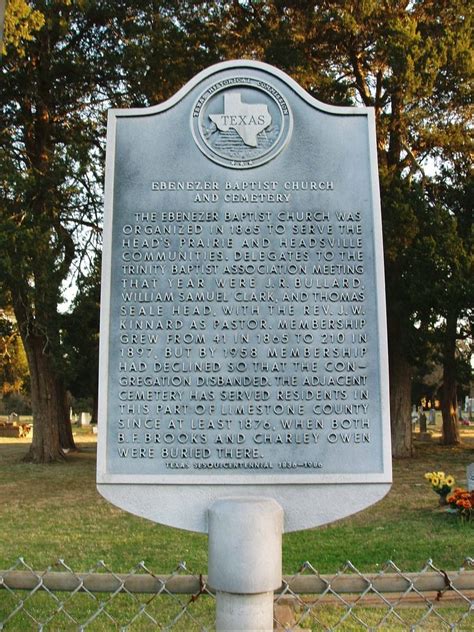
x=440, y=483
x=462, y=502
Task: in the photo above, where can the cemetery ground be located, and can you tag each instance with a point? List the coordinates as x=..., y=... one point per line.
x=53, y=512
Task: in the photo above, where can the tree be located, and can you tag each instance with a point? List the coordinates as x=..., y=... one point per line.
x=58, y=76
x=441, y=273
x=50, y=161
x=411, y=61
x=453, y=282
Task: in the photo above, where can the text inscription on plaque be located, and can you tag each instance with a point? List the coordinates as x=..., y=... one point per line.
x=244, y=320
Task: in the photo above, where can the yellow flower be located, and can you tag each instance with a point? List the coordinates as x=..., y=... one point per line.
x=435, y=481
x=440, y=474
x=428, y=476
x=450, y=481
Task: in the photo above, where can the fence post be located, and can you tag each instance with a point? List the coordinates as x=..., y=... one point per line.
x=245, y=561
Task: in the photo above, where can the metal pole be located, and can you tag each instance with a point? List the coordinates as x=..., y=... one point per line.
x=245, y=537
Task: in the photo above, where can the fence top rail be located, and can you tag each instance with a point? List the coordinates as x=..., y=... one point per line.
x=460, y=580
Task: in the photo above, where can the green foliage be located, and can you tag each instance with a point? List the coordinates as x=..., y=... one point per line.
x=14, y=376
x=48, y=151
x=21, y=23
x=19, y=403
x=167, y=43
x=80, y=336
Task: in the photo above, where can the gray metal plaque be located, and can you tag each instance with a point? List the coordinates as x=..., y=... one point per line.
x=243, y=343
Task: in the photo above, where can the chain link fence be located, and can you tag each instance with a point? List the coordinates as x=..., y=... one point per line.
x=60, y=598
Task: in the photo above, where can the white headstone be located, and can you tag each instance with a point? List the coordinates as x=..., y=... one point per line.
x=470, y=477
x=85, y=419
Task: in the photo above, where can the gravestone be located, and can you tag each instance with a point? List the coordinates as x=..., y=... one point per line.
x=85, y=419
x=422, y=421
x=243, y=337
x=432, y=417
x=470, y=477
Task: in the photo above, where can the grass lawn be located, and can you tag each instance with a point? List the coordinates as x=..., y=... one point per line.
x=54, y=511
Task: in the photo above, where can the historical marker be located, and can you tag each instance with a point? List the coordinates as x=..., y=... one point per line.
x=243, y=342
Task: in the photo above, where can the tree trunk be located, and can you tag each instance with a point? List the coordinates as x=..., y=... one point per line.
x=95, y=407
x=400, y=393
x=51, y=425
x=449, y=399
x=45, y=446
x=66, y=438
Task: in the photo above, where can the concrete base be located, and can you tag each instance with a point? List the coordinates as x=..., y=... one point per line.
x=244, y=612
x=245, y=536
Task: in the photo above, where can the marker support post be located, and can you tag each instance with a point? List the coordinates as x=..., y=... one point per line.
x=245, y=537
